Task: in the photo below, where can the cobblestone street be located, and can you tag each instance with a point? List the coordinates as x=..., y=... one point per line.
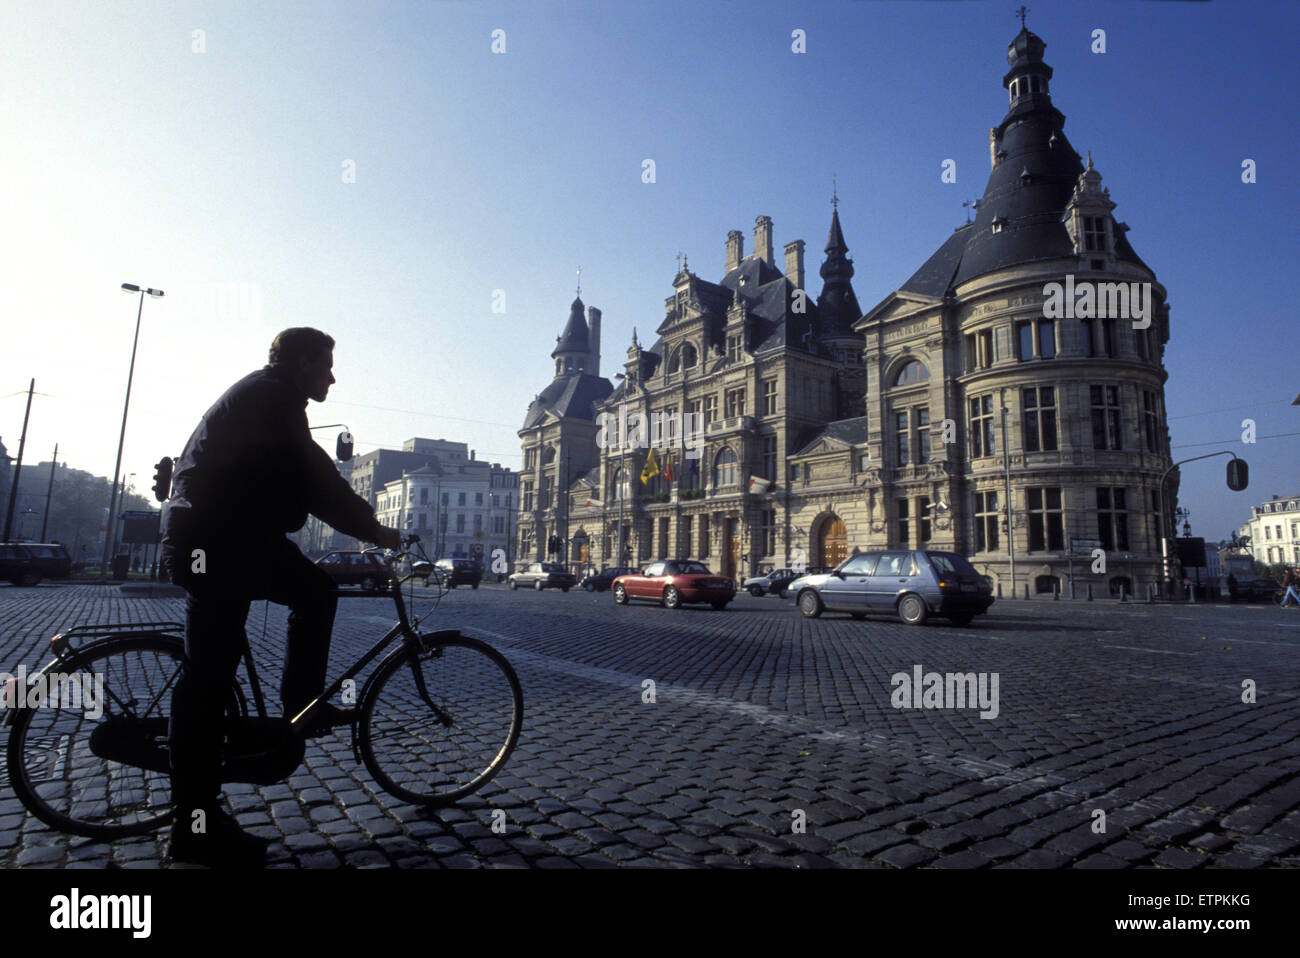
x=772, y=740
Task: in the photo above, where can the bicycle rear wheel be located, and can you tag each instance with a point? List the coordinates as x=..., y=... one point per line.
x=437, y=725
x=58, y=753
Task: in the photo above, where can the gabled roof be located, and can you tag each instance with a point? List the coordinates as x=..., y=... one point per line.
x=842, y=432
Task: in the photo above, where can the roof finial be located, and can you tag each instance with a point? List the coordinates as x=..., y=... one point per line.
x=686, y=268
x=679, y=262
x=835, y=193
x=1022, y=11
x=968, y=205
x=579, y=281
x=1090, y=159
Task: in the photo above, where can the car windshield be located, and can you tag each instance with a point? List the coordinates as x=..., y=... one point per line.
x=692, y=568
x=552, y=567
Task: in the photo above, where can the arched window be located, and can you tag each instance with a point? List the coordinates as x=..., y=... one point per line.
x=548, y=455
x=618, y=486
x=726, y=471
x=674, y=360
x=689, y=356
x=911, y=372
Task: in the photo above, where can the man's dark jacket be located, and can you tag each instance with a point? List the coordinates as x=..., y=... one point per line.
x=252, y=472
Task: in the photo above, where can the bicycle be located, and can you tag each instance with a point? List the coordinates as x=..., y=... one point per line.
x=437, y=718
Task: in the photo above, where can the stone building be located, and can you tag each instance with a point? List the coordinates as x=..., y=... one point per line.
x=1020, y=365
x=1274, y=530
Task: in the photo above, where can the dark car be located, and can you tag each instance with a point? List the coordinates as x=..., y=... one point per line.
x=1257, y=590
x=771, y=583
x=52, y=558
x=675, y=582
x=543, y=575
x=18, y=565
x=454, y=572
x=365, y=570
x=601, y=581
x=911, y=585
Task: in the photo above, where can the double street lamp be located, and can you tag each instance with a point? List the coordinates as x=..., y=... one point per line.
x=110, y=531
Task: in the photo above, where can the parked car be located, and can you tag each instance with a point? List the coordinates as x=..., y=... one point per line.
x=543, y=575
x=771, y=583
x=601, y=581
x=362, y=569
x=674, y=583
x=52, y=558
x=18, y=565
x=1257, y=590
x=912, y=585
x=454, y=572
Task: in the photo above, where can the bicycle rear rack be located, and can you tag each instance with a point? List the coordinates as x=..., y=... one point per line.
x=59, y=641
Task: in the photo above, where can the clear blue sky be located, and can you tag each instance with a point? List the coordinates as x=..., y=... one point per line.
x=216, y=176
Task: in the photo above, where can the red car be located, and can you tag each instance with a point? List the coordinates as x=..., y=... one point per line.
x=673, y=582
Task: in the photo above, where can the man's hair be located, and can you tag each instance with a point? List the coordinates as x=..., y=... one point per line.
x=300, y=342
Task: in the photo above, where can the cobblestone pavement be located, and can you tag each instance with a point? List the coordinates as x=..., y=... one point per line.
x=763, y=720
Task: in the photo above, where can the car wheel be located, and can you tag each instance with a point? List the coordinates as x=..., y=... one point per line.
x=538, y=585
x=367, y=585
x=756, y=591
x=912, y=610
x=719, y=606
x=29, y=578
x=961, y=620
x=810, y=604
x=858, y=615
x=513, y=584
x=672, y=598
x=564, y=588
x=590, y=587
x=620, y=594
x=474, y=585
x=451, y=585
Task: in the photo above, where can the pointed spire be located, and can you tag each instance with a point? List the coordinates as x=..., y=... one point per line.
x=837, y=303
x=576, y=335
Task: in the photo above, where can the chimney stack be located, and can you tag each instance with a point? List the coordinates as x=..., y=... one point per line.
x=735, y=250
x=593, y=321
x=763, y=239
x=794, y=263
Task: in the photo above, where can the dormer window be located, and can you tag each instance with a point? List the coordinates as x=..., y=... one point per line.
x=998, y=223
x=1094, y=234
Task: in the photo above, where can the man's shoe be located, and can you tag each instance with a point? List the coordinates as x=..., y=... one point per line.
x=222, y=843
x=326, y=717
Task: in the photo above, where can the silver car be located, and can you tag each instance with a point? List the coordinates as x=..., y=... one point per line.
x=910, y=584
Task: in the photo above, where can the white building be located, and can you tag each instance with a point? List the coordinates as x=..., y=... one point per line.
x=458, y=509
x=1274, y=531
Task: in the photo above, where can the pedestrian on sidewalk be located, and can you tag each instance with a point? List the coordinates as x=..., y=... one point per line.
x=1289, y=582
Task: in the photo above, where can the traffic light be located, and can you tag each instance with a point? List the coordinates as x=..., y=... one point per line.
x=1238, y=474
x=162, y=479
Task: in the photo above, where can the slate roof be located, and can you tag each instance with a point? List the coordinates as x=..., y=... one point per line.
x=850, y=432
x=575, y=335
x=569, y=397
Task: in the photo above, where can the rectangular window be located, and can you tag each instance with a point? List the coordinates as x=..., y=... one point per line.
x=1150, y=420
x=923, y=517
x=735, y=403
x=1143, y=343
x=981, y=426
x=1157, y=531
x=1094, y=234
x=922, y=419
x=478, y=523
x=900, y=438
x=460, y=499
x=1047, y=338
x=710, y=409
x=769, y=397
x=1112, y=519
x=733, y=349
x=478, y=498
x=1085, y=325
x=1046, y=525
x=864, y=461
x=527, y=493
x=903, y=527
x=986, y=522
x=1268, y=533
x=684, y=536
x=704, y=537
x=1040, y=419
x=424, y=497
x=769, y=457
x=767, y=532
x=979, y=350
x=1024, y=341
x=460, y=522
x=1105, y=418
x=1108, y=337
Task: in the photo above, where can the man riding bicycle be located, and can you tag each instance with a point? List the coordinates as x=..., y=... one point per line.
x=249, y=474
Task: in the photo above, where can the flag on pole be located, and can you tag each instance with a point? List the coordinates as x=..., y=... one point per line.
x=668, y=467
x=595, y=503
x=651, y=468
x=759, y=486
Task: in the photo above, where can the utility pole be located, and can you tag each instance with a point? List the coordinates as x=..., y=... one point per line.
x=18, y=464
x=49, y=491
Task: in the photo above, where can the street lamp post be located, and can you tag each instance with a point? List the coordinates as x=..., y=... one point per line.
x=110, y=533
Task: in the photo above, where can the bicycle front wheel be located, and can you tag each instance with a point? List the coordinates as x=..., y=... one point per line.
x=438, y=724
x=72, y=786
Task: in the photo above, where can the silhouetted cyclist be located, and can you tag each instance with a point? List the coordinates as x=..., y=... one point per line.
x=251, y=473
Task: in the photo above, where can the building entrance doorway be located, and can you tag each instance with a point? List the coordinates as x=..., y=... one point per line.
x=832, y=542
